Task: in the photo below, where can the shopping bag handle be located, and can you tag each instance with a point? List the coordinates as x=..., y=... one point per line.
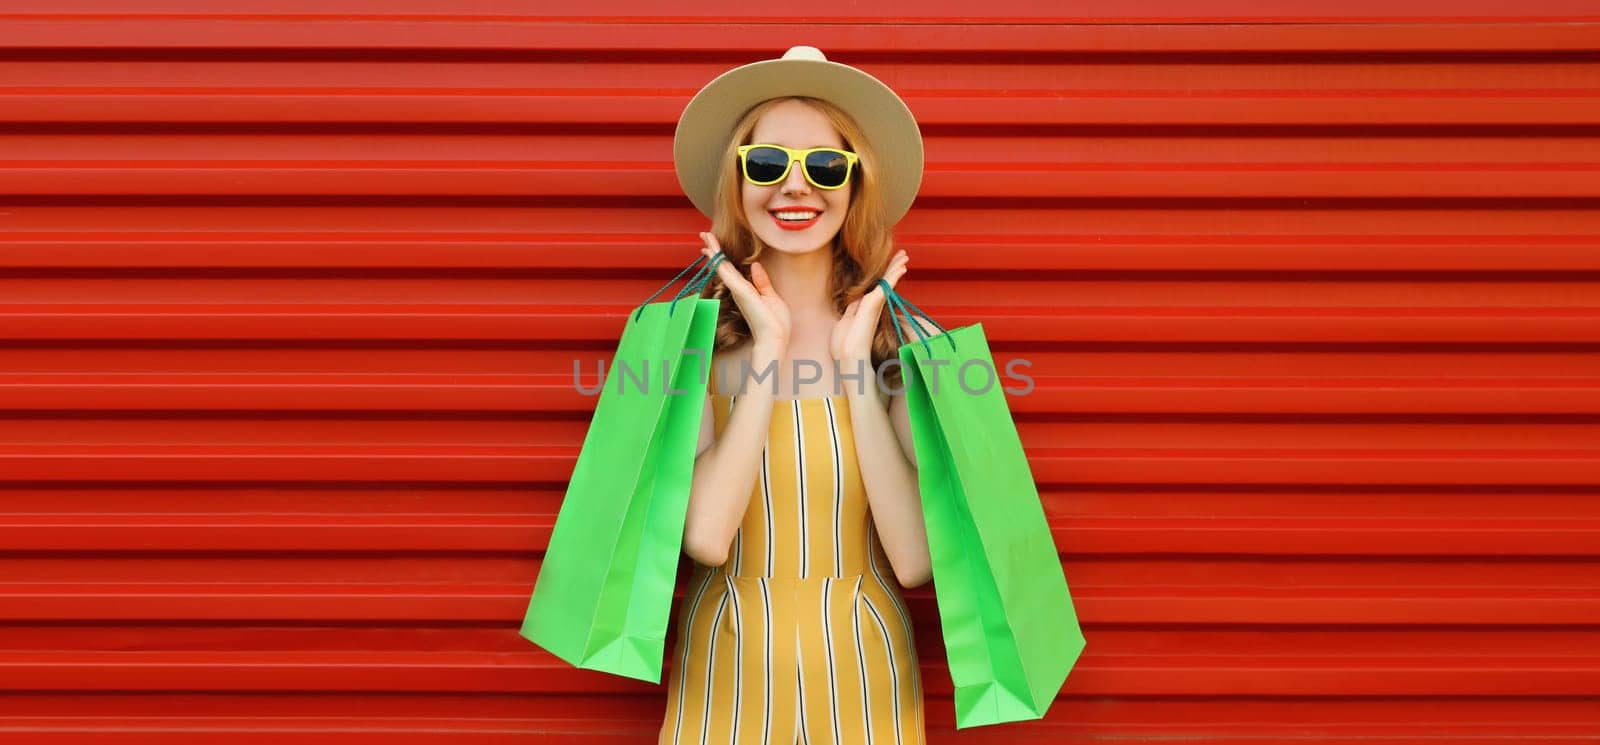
x=906, y=308
x=700, y=278
x=696, y=282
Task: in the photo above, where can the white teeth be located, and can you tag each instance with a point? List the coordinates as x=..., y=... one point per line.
x=800, y=216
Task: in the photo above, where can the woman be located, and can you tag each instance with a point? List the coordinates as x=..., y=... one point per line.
x=804, y=520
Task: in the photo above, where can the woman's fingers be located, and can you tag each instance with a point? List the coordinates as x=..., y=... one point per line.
x=725, y=270
x=871, y=304
x=892, y=276
x=709, y=245
x=896, y=269
x=763, y=283
x=731, y=276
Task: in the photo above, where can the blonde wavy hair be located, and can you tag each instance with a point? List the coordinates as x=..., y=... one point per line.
x=861, y=250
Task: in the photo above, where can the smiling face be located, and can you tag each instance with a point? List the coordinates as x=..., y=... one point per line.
x=796, y=125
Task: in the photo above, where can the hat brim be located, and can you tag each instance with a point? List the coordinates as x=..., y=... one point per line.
x=707, y=123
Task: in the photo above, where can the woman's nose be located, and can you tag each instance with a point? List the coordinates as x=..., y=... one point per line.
x=795, y=182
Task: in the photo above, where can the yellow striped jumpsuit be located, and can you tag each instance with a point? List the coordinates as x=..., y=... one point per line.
x=802, y=636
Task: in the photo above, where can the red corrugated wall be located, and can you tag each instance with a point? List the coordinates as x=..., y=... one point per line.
x=289, y=294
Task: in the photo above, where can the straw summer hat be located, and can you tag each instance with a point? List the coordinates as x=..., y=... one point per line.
x=707, y=122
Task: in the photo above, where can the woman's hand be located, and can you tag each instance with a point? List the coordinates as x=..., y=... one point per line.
x=851, y=340
x=764, y=311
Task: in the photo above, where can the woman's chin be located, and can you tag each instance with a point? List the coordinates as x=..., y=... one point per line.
x=796, y=242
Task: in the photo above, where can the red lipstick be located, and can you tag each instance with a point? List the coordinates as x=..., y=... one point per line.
x=792, y=224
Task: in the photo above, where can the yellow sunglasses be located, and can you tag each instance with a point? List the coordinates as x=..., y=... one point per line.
x=825, y=167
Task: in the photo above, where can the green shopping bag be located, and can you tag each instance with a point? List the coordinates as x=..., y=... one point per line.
x=1010, y=631
x=604, y=592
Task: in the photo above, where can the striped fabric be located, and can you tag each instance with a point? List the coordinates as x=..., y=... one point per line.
x=802, y=636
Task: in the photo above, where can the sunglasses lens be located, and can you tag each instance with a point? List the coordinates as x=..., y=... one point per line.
x=765, y=164
x=827, y=168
